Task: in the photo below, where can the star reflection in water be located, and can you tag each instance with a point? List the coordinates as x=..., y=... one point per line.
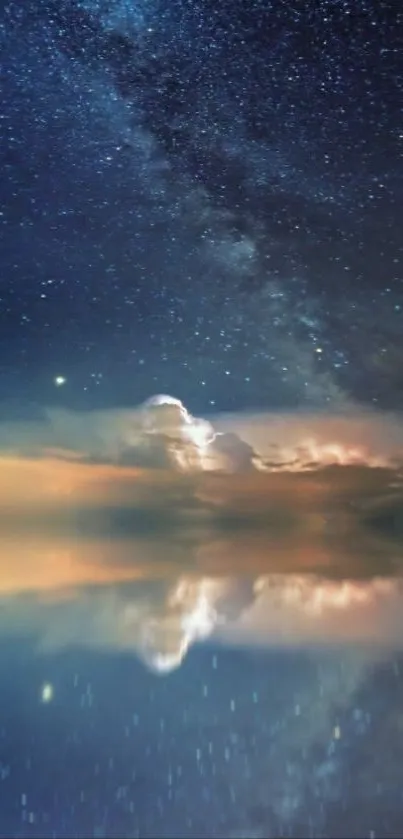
x=269, y=601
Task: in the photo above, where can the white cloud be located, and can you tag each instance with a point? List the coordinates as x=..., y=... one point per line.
x=161, y=432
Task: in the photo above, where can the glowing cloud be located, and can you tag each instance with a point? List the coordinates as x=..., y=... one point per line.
x=233, y=526
x=162, y=433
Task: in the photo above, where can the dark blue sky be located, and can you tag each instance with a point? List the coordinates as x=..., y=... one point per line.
x=201, y=199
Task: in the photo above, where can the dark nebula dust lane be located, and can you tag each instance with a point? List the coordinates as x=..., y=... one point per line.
x=214, y=194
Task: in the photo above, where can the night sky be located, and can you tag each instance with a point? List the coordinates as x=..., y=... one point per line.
x=202, y=199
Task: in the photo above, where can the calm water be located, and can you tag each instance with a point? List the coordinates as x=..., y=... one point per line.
x=200, y=653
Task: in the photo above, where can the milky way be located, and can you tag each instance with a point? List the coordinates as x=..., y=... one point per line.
x=202, y=199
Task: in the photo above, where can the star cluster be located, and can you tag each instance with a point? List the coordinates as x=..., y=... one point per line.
x=202, y=199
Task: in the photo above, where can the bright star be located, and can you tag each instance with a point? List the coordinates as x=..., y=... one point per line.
x=59, y=381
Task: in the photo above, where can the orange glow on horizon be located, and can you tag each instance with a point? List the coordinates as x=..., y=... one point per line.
x=52, y=480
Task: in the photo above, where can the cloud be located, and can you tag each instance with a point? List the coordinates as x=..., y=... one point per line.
x=150, y=529
x=277, y=473
x=162, y=433
x=345, y=436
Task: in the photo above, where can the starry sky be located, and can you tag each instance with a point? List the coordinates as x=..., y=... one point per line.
x=201, y=199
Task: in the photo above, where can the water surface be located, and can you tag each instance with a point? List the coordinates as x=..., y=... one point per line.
x=200, y=639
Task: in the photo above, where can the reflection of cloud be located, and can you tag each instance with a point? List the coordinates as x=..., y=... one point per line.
x=189, y=616
x=160, y=620
x=151, y=530
x=157, y=620
x=310, y=609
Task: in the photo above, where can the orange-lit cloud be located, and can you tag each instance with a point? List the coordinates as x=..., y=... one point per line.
x=162, y=433
x=152, y=530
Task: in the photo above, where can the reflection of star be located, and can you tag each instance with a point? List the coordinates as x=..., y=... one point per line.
x=47, y=692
